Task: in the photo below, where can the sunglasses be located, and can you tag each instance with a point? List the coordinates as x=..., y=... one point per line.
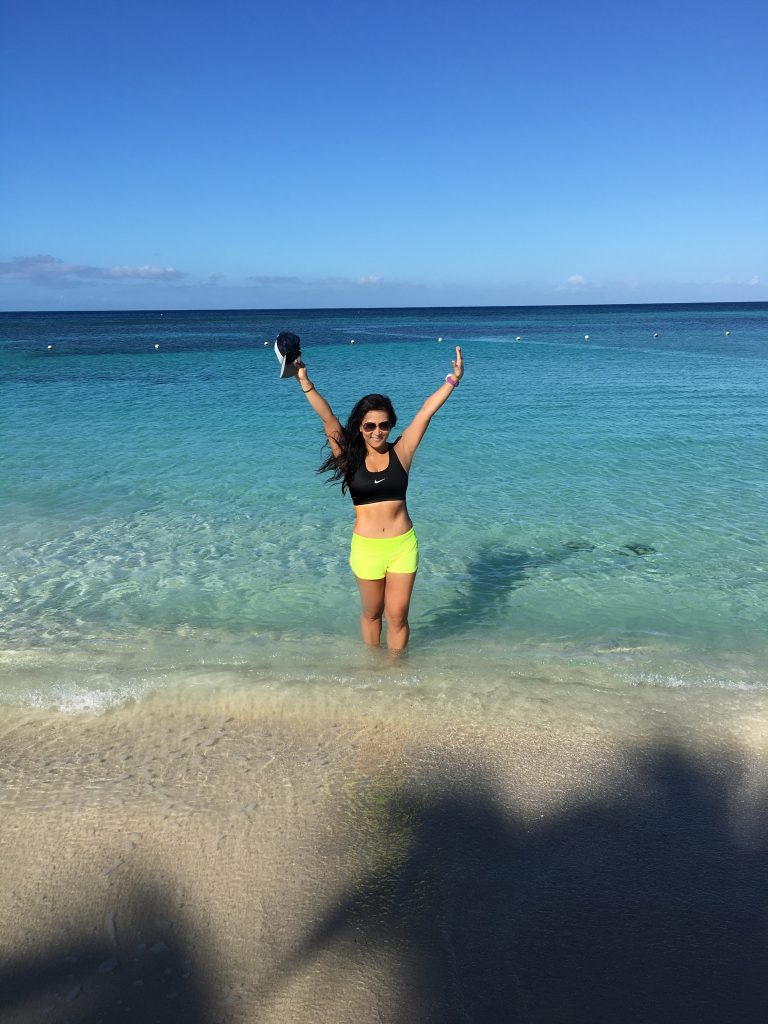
x=370, y=426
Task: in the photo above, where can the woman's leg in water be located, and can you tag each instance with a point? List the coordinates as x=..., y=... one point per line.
x=372, y=601
x=397, y=600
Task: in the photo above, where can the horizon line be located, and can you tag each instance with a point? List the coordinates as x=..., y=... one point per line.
x=375, y=309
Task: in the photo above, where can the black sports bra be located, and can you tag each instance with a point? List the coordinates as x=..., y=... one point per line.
x=388, y=484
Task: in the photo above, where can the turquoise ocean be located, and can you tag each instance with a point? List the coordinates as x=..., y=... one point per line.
x=591, y=513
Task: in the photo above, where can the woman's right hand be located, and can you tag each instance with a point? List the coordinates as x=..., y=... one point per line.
x=301, y=370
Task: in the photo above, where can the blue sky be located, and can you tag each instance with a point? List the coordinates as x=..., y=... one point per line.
x=258, y=155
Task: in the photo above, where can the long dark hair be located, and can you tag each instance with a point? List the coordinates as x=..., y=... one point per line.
x=343, y=467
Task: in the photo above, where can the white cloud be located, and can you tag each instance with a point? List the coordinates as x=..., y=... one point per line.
x=575, y=281
x=265, y=280
x=146, y=273
x=49, y=270
x=268, y=280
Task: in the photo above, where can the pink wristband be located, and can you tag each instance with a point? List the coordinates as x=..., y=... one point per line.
x=452, y=381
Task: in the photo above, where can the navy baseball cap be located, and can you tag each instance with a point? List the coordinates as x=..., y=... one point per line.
x=287, y=349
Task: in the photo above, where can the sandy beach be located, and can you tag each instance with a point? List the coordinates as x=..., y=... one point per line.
x=289, y=861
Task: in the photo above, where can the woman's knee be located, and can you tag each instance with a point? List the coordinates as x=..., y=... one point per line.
x=396, y=617
x=372, y=614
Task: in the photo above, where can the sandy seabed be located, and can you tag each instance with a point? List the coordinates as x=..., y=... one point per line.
x=218, y=861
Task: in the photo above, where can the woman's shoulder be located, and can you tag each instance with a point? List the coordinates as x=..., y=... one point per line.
x=396, y=448
x=401, y=455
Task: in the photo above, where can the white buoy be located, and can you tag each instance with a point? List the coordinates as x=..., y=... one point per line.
x=727, y=334
x=586, y=337
x=50, y=348
x=266, y=343
x=656, y=334
x=157, y=348
x=439, y=339
x=517, y=338
x=351, y=341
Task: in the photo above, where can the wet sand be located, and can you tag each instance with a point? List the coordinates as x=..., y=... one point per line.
x=293, y=861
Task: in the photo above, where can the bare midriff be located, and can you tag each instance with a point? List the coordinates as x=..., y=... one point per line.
x=382, y=519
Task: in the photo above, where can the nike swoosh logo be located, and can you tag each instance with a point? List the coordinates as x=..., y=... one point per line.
x=380, y=481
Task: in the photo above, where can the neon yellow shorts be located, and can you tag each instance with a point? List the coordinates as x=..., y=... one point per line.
x=372, y=558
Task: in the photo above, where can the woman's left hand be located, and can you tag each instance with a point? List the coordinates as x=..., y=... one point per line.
x=301, y=370
x=458, y=364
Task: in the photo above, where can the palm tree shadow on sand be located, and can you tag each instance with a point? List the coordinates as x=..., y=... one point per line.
x=647, y=906
x=144, y=973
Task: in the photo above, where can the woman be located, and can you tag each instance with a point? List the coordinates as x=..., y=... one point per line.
x=385, y=552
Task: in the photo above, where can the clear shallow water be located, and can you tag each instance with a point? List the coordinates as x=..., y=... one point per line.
x=591, y=514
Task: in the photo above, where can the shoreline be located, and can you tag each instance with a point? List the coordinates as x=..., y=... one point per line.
x=237, y=860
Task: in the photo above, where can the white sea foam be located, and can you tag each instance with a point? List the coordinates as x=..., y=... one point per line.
x=95, y=696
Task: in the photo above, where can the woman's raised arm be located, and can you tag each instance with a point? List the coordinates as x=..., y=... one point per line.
x=331, y=424
x=413, y=433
